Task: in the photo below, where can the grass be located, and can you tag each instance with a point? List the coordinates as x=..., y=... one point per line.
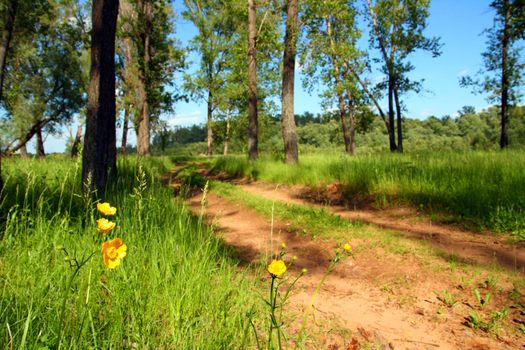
x=486, y=188
x=176, y=288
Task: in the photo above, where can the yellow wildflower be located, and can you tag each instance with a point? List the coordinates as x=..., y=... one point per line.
x=283, y=246
x=106, y=209
x=113, y=251
x=277, y=268
x=347, y=247
x=304, y=270
x=104, y=225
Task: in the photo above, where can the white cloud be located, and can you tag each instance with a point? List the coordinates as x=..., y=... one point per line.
x=186, y=119
x=463, y=73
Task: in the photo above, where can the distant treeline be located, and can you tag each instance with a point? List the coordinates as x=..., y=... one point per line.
x=468, y=130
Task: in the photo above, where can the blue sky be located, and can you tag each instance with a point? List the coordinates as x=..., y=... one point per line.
x=459, y=24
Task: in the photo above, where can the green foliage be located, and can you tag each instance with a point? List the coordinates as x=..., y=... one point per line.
x=176, y=288
x=446, y=297
x=45, y=81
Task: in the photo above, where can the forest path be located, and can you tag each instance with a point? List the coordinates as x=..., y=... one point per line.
x=473, y=247
x=383, y=299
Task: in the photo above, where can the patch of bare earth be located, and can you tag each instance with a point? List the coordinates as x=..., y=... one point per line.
x=382, y=299
x=483, y=249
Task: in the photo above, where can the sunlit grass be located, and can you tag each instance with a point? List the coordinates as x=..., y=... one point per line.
x=487, y=188
x=176, y=288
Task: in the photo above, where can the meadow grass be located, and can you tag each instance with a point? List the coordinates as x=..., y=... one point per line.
x=487, y=188
x=178, y=286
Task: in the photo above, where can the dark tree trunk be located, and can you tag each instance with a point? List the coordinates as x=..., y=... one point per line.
x=291, y=154
x=504, y=138
x=227, y=136
x=125, y=126
x=100, y=152
x=253, y=126
x=399, y=122
x=23, y=151
x=351, y=119
x=75, y=149
x=40, y=152
x=143, y=130
x=4, y=47
x=6, y=39
x=391, y=124
x=209, y=123
x=344, y=126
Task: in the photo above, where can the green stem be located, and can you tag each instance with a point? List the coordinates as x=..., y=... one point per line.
x=64, y=301
x=272, y=307
x=314, y=296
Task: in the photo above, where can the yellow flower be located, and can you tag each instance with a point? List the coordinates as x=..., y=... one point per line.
x=104, y=225
x=106, y=209
x=113, y=251
x=304, y=270
x=347, y=247
x=283, y=246
x=277, y=268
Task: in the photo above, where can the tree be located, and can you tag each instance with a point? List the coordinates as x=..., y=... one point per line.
x=503, y=73
x=45, y=77
x=331, y=55
x=253, y=150
x=397, y=31
x=215, y=24
x=99, y=152
x=291, y=154
x=151, y=58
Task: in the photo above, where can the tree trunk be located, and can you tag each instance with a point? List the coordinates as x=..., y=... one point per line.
x=125, y=126
x=227, y=136
x=6, y=39
x=399, y=122
x=40, y=152
x=344, y=126
x=99, y=152
x=391, y=124
x=504, y=138
x=4, y=47
x=75, y=149
x=209, y=123
x=253, y=150
x=143, y=129
x=23, y=151
x=291, y=154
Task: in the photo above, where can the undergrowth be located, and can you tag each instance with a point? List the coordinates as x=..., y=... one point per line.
x=176, y=288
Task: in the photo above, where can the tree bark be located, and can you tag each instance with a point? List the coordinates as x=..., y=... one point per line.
x=40, y=152
x=23, y=151
x=4, y=47
x=75, y=149
x=99, y=152
x=143, y=129
x=399, y=122
x=227, y=136
x=253, y=150
x=209, y=123
x=391, y=117
x=291, y=153
x=6, y=39
x=504, y=138
x=125, y=126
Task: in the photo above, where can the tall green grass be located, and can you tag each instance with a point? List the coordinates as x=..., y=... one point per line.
x=176, y=288
x=486, y=187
